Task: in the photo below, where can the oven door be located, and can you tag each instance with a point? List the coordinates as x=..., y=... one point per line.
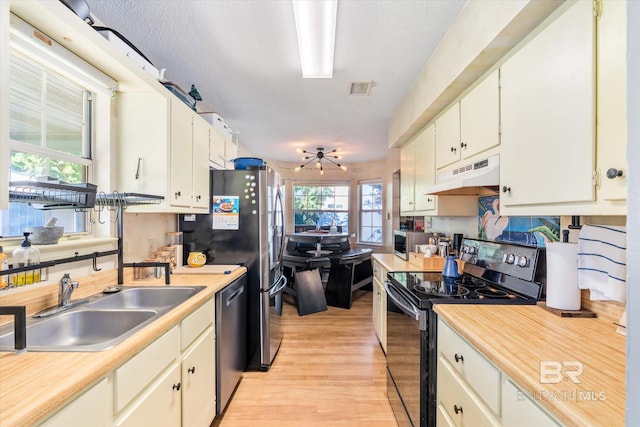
x=405, y=327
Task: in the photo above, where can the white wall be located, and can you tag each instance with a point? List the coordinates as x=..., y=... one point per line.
x=633, y=216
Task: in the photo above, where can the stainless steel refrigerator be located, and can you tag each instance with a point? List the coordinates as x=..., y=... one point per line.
x=246, y=226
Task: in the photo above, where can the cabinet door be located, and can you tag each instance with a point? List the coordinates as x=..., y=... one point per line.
x=424, y=169
x=480, y=117
x=448, y=137
x=230, y=152
x=612, y=99
x=200, y=163
x=159, y=405
x=459, y=402
x=94, y=404
x=143, y=149
x=199, y=382
x=547, y=93
x=181, y=180
x=407, y=178
x=518, y=410
x=217, y=149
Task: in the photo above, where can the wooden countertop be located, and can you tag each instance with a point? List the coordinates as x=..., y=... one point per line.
x=518, y=338
x=34, y=384
x=394, y=263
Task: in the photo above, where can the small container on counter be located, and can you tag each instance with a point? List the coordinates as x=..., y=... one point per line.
x=4, y=265
x=25, y=256
x=175, y=240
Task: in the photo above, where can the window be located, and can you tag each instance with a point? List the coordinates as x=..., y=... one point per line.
x=371, y=212
x=321, y=205
x=49, y=137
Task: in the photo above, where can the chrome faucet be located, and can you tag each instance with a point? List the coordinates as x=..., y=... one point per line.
x=66, y=289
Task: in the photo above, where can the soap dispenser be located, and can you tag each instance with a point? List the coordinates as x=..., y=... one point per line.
x=24, y=256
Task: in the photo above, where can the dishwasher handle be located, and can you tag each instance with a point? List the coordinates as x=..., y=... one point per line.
x=236, y=293
x=402, y=303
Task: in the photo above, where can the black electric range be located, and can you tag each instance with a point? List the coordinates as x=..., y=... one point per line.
x=494, y=273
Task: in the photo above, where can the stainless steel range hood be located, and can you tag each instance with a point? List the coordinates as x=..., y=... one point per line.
x=469, y=178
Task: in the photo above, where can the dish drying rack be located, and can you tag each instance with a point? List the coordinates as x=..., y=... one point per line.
x=82, y=197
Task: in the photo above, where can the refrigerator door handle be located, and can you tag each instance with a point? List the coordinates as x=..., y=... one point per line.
x=282, y=234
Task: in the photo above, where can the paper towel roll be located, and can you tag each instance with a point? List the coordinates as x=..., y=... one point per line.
x=562, y=276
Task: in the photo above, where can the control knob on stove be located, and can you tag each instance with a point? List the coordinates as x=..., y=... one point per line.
x=472, y=250
x=509, y=258
x=523, y=261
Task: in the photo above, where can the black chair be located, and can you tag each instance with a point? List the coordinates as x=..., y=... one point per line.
x=350, y=271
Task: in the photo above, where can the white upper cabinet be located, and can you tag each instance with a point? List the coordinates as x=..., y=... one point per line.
x=548, y=114
x=424, y=169
x=480, y=117
x=448, y=137
x=163, y=149
x=612, y=101
x=407, y=178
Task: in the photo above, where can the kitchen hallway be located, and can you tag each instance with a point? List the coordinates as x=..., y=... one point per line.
x=330, y=371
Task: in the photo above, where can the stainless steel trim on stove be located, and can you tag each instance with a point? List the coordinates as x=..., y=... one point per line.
x=405, y=305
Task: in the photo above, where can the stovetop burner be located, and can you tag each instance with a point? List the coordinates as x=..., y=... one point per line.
x=442, y=289
x=470, y=282
x=491, y=293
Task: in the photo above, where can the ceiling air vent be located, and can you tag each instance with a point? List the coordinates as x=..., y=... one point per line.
x=360, y=88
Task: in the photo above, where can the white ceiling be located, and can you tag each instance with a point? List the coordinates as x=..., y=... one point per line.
x=242, y=55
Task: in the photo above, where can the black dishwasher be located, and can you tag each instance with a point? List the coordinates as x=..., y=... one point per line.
x=231, y=340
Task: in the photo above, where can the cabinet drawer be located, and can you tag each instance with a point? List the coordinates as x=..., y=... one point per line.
x=519, y=410
x=379, y=272
x=94, y=404
x=193, y=325
x=132, y=377
x=478, y=372
x=459, y=402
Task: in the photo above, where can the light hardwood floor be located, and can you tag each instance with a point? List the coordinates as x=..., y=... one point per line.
x=330, y=371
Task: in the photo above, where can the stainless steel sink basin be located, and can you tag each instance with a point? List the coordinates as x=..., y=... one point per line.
x=101, y=322
x=146, y=297
x=79, y=330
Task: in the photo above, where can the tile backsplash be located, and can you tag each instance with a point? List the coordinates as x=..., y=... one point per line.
x=526, y=230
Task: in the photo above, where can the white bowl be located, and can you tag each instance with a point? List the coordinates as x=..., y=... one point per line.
x=43, y=235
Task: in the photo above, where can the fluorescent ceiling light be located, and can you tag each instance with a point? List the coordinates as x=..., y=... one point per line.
x=316, y=29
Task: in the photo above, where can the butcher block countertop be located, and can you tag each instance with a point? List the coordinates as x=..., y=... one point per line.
x=518, y=338
x=394, y=263
x=32, y=385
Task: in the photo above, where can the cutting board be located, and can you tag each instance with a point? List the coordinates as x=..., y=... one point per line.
x=207, y=269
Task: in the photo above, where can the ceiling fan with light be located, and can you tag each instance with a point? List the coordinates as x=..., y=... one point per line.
x=318, y=157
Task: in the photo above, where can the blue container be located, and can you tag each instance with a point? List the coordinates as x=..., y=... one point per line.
x=244, y=163
x=450, y=267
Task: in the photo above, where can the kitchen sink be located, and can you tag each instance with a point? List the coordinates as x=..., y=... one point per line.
x=78, y=330
x=100, y=322
x=146, y=297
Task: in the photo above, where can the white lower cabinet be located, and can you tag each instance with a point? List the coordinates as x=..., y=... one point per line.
x=459, y=401
x=159, y=404
x=171, y=382
x=199, y=382
x=380, y=303
x=471, y=391
x=518, y=410
x=94, y=404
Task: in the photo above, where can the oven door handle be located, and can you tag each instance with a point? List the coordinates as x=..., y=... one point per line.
x=401, y=301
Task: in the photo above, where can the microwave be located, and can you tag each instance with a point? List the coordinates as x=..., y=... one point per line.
x=405, y=241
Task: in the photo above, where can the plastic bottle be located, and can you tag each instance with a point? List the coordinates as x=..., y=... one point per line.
x=24, y=256
x=4, y=265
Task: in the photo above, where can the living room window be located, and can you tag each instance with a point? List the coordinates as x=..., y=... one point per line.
x=370, y=212
x=321, y=206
